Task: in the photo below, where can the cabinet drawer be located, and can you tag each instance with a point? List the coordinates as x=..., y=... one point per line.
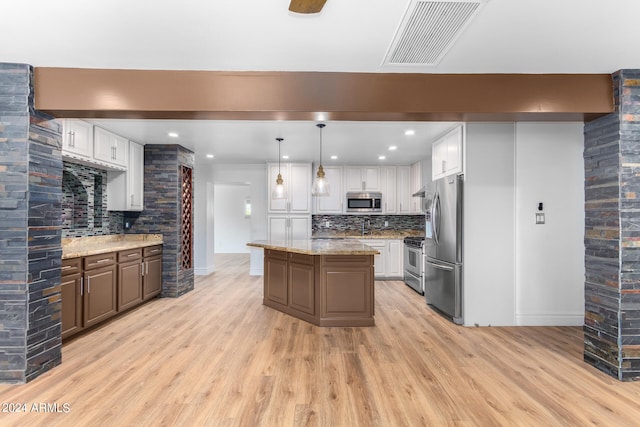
x=130, y=255
x=152, y=250
x=276, y=254
x=71, y=266
x=101, y=260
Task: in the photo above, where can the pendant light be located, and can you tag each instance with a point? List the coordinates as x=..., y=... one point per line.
x=320, y=184
x=279, y=191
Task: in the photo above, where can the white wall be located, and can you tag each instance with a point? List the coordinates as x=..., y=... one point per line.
x=488, y=230
x=232, y=229
x=517, y=272
x=550, y=257
x=203, y=221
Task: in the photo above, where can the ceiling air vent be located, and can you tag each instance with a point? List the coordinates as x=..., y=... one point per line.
x=429, y=29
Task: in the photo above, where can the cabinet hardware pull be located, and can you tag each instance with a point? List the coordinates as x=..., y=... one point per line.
x=81, y=286
x=444, y=165
x=142, y=269
x=147, y=267
x=100, y=261
x=130, y=255
x=66, y=267
x=132, y=199
x=89, y=284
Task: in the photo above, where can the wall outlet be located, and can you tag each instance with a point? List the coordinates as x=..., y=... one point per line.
x=386, y=223
x=327, y=224
x=539, y=217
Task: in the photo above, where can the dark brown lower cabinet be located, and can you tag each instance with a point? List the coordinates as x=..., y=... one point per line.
x=97, y=287
x=100, y=300
x=71, y=290
x=130, y=271
x=152, y=274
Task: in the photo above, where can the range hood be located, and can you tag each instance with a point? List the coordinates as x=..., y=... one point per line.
x=421, y=192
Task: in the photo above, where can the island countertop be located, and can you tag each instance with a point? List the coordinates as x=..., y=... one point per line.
x=317, y=246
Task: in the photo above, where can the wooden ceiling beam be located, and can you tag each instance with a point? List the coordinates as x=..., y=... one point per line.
x=165, y=94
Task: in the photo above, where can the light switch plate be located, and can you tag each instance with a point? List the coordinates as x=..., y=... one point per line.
x=539, y=217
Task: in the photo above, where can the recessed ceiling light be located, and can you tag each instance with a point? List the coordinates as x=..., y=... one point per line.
x=173, y=134
x=392, y=148
x=409, y=132
x=382, y=157
x=209, y=156
x=285, y=157
x=334, y=157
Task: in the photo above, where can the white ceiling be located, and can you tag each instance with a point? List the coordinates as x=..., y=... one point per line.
x=506, y=36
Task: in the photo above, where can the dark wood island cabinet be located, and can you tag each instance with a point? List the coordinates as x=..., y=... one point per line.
x=327, y=283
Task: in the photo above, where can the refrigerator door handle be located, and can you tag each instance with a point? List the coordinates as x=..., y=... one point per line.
x=435, y=217
x=440, y=266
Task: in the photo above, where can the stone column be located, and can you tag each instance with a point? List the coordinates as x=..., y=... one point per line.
x=612, y=234
x=30, y=230
x=162, y=212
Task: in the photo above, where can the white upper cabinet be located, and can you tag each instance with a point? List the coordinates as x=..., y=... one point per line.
x=297, y=184
x=389, y=189
x=333, y=203
x=110, y=148
x=125, y=189
x=446, y=154
x=77, y=141
x=362, y=178
x=403, y=178
x=415, y=186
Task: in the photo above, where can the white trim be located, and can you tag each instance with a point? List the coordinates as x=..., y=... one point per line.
x=203, y=271
x=560, y=319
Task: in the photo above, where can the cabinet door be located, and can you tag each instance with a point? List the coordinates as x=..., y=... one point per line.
x=379, y=260
x=152, y=280
x=416, y=184
x=71, y=296
x=278, y=227
x=353, y=178
x=110, y=148
x=100, y=295
x=301, y=287
x=300, y=188
x=135, y=177
x=275, y=279
x=129, y=285
x=395, y=267
x=371, y=178
x=300, y=227
x=332, y=204
x=403, y=176
x=389, y=189
x=439, y=159
x=454, y=151
x=77, y=138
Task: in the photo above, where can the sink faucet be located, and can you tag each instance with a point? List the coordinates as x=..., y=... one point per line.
x=365, y=223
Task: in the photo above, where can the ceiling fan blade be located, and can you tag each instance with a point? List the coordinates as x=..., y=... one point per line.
x=306, y=6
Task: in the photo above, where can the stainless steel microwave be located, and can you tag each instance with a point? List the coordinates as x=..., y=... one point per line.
x=364, y=202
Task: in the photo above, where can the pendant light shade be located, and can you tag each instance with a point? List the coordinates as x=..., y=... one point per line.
x=279, y=190
x=320, y=184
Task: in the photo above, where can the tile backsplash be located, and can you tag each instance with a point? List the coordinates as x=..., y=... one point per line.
x=354, y=223
x=84, y=203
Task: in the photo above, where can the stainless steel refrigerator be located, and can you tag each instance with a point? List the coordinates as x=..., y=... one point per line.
x=443, y=257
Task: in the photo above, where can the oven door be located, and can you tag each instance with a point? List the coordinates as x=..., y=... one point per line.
x=413, y=260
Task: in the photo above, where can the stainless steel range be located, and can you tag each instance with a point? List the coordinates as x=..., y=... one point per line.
x=414, y=263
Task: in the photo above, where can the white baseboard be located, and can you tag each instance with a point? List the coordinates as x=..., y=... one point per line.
x=550, y=319
x=203, y=271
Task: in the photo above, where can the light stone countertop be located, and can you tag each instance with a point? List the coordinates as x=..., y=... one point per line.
x=317, y=246
x=74, y=247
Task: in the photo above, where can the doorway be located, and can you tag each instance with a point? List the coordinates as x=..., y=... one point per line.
x=231, y=218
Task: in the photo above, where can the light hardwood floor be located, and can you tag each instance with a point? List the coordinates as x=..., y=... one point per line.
x=218, y=357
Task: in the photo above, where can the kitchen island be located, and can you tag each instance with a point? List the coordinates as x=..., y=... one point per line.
x=325, y=282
